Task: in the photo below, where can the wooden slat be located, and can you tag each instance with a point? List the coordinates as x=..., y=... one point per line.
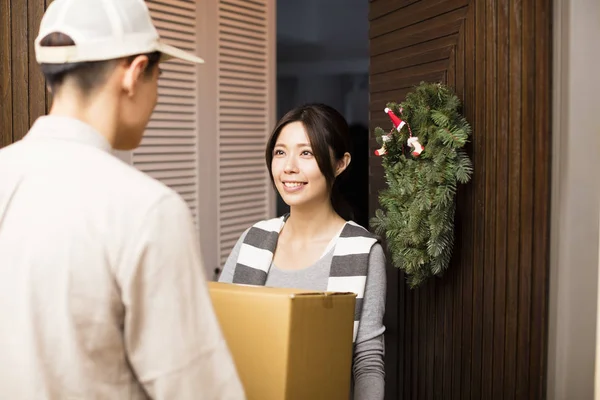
x=241, y=179
x=175, y=125
x=464, y=227
x=243, y=141
x=170, y=133
x=20, y=70
x=247, y=85
x=253, y=21
x=174, y=65
x=233, y=30
x=233, y=204
x=171, y=108
x=237, y=223
x=382, y=7
x=178, y=29
x=167, y=166
x=186, y=88
x=6, y=120
x=168, y=140
x=254, y=14
x=37, y=84
x=177, y=10
x=172, y=6
x=140, y=159
x=186, y=76
x=514, y=220
x=251, y=42
x=184, y=102
x=490, y=200
x=476, y=38
x=159, y=16
x=257, y=209
x=413, y=14
x=443, y=25
x=232, y=60
x=542, y=145
x=174, y=116
x=244, y=127
x=241, y=22
x=528, y=64
x=501, y=212
x=399, y=79
x=242, y=50
x=434, y=50
x=170, y=149
x=249, y=99
x=246, y=5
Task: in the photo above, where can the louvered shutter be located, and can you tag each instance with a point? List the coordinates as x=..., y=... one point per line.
x=246, y=106
x=168, y=151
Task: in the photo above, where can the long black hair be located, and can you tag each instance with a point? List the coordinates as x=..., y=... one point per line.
x=328, y=134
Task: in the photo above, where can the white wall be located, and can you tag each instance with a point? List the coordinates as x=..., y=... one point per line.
x=575, y=200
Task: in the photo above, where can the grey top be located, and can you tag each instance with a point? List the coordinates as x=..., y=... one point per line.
x=368, y=365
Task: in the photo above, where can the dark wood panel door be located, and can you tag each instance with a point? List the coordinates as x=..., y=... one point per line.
x=23, y=96
x=480, y=332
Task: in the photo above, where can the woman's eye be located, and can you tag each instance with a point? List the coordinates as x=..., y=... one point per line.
x=306, y=153
x=278, y=152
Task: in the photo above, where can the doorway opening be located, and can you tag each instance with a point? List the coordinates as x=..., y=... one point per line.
x=323, y=56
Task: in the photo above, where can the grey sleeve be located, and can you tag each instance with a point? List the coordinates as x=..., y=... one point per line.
x=229, y=267
x=368, y=365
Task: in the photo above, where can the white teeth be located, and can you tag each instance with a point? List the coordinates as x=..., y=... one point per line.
x=292, y=184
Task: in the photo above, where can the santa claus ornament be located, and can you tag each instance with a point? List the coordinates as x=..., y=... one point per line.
x=413, y=141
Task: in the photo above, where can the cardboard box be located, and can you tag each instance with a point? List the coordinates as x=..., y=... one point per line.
x=288, y=344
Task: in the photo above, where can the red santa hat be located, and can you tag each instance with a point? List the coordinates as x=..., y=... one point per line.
x=398, y=123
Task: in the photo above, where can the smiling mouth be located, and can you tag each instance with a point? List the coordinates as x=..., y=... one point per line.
x=293, y=184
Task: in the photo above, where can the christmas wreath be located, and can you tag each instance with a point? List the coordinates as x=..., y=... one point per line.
x=424, y=159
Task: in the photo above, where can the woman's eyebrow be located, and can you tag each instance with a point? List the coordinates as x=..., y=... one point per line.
x=297, y=145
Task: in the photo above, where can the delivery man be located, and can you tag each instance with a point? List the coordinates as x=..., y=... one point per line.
x=102, y=289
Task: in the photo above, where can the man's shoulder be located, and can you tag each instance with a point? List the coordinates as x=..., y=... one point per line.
x=136, y=187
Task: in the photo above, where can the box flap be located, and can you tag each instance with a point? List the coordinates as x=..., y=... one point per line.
x=272, y=291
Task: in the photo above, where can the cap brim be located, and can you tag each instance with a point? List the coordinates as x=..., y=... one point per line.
x=169, y=52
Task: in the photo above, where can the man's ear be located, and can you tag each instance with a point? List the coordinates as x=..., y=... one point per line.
x=133, y=74
x=342, y=164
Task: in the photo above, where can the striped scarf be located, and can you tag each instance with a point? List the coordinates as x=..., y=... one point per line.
x=349, y=265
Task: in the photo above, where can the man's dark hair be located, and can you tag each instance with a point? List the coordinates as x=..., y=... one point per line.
x=88, y=75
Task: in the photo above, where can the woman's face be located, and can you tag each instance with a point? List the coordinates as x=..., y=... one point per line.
x=295, y=171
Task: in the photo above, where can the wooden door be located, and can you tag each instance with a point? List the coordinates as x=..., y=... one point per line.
x=481, y=331
x=23, y=95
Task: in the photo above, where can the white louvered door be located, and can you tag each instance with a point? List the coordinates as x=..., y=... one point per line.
x=246, y=110
x=207, y=136
x=168, y=151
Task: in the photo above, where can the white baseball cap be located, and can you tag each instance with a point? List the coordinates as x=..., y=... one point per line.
x=102, y=30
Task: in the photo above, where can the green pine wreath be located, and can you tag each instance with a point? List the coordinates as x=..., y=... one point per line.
x=417, y=207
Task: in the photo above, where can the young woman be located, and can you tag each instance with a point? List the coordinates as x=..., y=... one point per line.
x=314, y=246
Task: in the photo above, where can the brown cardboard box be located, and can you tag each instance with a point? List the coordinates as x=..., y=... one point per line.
x=288, y=344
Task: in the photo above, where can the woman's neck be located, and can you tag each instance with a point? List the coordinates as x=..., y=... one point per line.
x=310, y=223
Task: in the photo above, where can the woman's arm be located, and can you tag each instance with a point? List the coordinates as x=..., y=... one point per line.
x=229, y=267
x=368, y=366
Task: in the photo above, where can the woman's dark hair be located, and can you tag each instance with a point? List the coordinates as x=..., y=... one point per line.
x=89, y=74
x=328, y=134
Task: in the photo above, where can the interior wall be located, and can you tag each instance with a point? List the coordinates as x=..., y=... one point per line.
x=575, y=201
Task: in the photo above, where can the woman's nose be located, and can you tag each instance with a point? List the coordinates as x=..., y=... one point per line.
x=290, y=166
